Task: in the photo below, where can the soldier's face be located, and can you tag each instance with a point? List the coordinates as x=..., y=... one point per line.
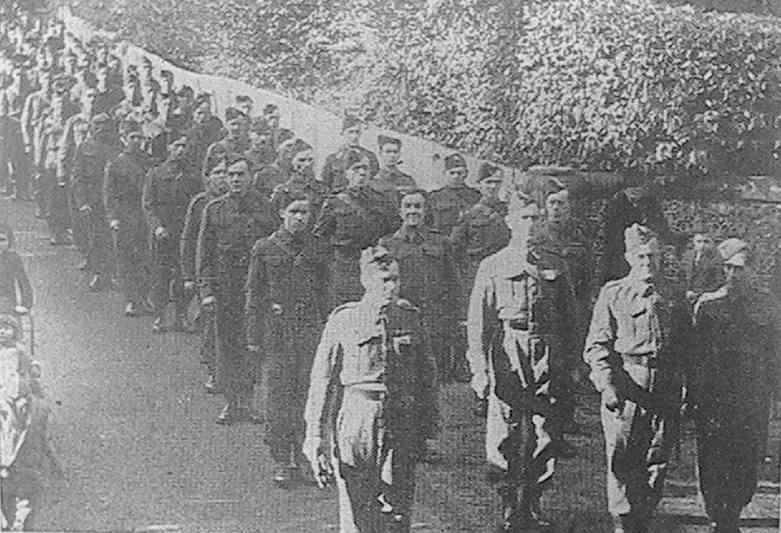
x=456, y=175
x=217, y=182
x=557, y=206
x=352, y=135
x=178, y=149
x=302, y=161
x=272, y=119
x=239, y=179
x=235, y=127
x=701, y=242
x=5, y=242
x=489, y=188
x=383, y=284
x=521, y=219
x=260, y=142
x=644, y=261
x=413, y=209
x=358, y=171
x=245, y=107
x=201, y=113
x=295, y=217
x=389, y=154
x=733, y=273
x=88, y=102
x=134, y=140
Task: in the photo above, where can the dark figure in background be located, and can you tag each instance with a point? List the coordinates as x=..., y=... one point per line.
x=519, y=332
x=235, y=142
x=563, y=236
x=278, y=134
x=389, y=179
x=633, y=205
x=268, y=177
x=285, y=312
x=13, y=277
x=352, y=220
x=373, y=373
x=425, y=259
x=729, y=388
x=700, y=265
x=333, y=169
x=168, y=189
x=479, y=232
x=122, y=193
x=215, y=185
x=637, y=348
x=205, y=130
x=301, y=180
x=230, y=226
x=446, y=204
x=55, y=191
x=89, y=167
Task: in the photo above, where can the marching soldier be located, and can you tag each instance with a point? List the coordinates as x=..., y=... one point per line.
x=56, y=190
x=426, y=267
x=168, y=189
x=447, y=203
x=636, y=347
x=700, y=265
x=33, y=117
x=729, y=388
x=352, y=220
x=215, y=185
x=479, y=232
x=563, y=235
x=519, y=328
x=230, y=226
x=89, y=166
x=301, y=180
x=373, y=363
x=235, y=142
x=389, y=177
x=285, y=311
x=13, y=277
x=122, y=193
x=333, y=169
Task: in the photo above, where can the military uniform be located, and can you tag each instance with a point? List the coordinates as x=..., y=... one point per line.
x=428, y=277
x=187, y=252
x=168, y=189
x=479, y=232
x=300, y=186
x=701, y=274
x=352, y=220
x=393, y=179
x=285, y=311
x=379, y=364
x=445, y=205
x=268, y=177
x=518, y=328
x=89, y=166
x=227, y=148
x=333, y=173
x=729, y=386
x=123, y=190
x=229, y=228
x=637, y=343
x=55, y=190
x=33, y=117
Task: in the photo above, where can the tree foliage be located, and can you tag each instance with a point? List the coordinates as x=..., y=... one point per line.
x=628, y=85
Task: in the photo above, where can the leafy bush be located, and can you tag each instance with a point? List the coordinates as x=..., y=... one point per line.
x=601, y=84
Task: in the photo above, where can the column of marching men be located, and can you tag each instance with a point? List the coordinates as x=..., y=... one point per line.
x=355, y=294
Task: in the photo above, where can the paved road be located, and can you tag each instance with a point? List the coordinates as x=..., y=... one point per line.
x=137, y=437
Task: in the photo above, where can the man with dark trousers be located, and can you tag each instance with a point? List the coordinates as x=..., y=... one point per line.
x=89, y=167
x=168, y=189
x=285, y=310
x=122, y=193
x=230, y=226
